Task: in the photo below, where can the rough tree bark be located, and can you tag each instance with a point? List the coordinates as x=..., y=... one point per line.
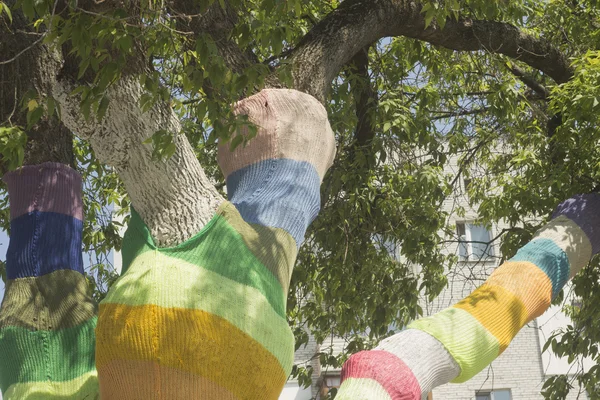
x=30, y=70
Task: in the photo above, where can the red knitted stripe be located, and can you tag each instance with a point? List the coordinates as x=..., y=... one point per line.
x=387, y=369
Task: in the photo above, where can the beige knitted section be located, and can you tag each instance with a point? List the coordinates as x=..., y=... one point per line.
x=567, y=235
x=283, y=117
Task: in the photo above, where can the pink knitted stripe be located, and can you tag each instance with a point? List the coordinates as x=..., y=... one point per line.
x=387, y=369
x=47, y=187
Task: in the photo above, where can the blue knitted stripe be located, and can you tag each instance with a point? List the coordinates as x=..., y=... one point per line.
x=279, y=193
x=549, y=258
x=43, y=242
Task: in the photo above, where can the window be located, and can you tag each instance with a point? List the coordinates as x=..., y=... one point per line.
x=467, y=184
x=503, y=394
x=473, y=242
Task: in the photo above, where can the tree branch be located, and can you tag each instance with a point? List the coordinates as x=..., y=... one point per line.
x=364, y=96
x=218, y=22
x=333, y=42
x=529, y=81
x=449, y=114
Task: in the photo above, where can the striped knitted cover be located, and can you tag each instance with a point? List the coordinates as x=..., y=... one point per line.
x=206, y=319
x=47, y=318
x=457, y=343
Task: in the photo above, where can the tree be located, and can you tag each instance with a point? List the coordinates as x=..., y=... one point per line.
x=147, y=88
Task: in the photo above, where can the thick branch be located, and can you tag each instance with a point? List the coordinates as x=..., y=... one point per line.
x=174, y=198
x=357, y=23
x=499, y=38
x=218, y=22
x=25, y=67
x=364, y=96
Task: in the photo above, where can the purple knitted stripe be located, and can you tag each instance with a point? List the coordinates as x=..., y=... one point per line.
x=47, y=187
x=584, y=210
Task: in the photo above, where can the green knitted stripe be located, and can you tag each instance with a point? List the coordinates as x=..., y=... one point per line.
x=154, y=278
x=84, y=387
x=34, y=356
x=471, y=345
x=274, y=247
x=218, y=248
x=53, y=301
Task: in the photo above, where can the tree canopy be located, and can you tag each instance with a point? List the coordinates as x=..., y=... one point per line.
x=510, y=88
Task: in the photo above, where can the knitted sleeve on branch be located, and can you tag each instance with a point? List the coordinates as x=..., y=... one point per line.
x=457, y=343
x=47, y=318
x=206, y=319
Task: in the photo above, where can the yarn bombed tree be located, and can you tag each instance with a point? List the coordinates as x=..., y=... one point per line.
x=200, y=308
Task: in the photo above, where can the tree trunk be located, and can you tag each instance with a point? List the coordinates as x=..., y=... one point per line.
x=49, y=140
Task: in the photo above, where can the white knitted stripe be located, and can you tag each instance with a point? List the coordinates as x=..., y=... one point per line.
x=362, y=389
x=569, y=237
x=426, y=357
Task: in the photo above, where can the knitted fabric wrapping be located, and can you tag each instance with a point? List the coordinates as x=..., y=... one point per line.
x=206, y=319
x=47, y=318
x=457, y=343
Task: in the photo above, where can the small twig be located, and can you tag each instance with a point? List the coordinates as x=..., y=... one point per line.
x=26, y=49
x=449, y=114
x=282, y=55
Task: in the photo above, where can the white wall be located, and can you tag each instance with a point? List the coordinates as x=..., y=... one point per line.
x=292, y=391
x=554, y=320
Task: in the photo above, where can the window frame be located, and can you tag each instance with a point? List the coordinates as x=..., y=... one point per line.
x=490, y=393
x=490, y=251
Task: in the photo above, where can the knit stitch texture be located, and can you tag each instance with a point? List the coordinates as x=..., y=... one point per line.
x=47, y=318
x=473, y=332
x=206, y=319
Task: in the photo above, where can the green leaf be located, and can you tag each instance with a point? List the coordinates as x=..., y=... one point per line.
x=32, y=105
x=6, y=9
x=235, y=142
x=28, y=8
x=34, y=116
x=125, y=43
x=102, y=107
x=51, y=103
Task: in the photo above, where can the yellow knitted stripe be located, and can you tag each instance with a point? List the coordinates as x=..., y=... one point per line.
x=498, y=310
x=362, y=389
x=190, y=340
x=132, y=378
x=83, y=387
x=154, y=278
x=526, y=282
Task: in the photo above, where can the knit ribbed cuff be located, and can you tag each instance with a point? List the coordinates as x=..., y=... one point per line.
x=291, y=125
x=47, y=187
